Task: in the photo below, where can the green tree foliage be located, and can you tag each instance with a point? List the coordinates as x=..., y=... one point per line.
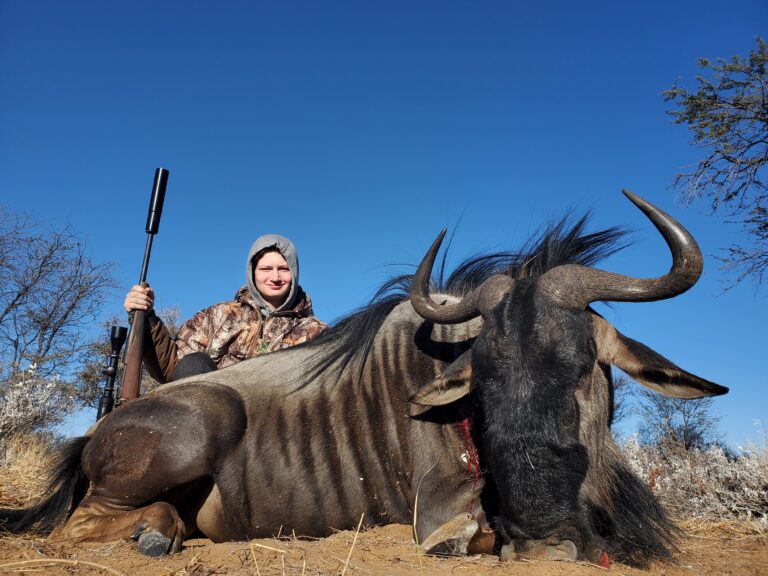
x=728, y=115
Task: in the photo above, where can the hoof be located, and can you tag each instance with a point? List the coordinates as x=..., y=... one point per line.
x=154, y=544
x=564, y=551
x=139, y=531
x=453, y=537
x=508, y=553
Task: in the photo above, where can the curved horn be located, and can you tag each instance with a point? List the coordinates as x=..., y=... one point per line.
x=483, y=298
x=578, y=286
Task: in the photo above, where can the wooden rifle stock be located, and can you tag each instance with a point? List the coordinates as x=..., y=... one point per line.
x=132, y=374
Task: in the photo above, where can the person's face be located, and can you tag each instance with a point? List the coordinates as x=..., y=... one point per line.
x=272, y=278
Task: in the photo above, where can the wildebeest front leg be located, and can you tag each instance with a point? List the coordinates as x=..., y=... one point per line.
x=549, y=549
x=567, y=543
x=157, y=528
x=462, y=534
x=553, y=549
x=449, y=516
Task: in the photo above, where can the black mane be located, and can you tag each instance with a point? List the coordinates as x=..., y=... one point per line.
x=558, y=243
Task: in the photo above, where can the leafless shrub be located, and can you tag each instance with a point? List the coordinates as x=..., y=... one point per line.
x=30, y=401
x=704, y=483
x=678, y=423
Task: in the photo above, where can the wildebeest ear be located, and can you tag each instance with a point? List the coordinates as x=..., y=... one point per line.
x=649, y=368
x=453, y=384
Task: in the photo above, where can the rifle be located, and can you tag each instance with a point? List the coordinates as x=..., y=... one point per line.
x=107, y=401
x=132, y=374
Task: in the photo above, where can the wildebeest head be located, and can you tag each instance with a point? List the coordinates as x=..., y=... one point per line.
x=541, y=368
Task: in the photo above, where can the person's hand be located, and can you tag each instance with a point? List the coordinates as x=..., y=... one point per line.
x=139, y=298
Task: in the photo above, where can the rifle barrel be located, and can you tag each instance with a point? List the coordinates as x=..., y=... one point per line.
x=133, y=352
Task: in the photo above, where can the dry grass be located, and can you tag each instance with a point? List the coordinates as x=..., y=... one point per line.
x=724, y=529
x=24, y=463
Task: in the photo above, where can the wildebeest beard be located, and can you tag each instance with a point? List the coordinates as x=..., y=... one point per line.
x=530, y=416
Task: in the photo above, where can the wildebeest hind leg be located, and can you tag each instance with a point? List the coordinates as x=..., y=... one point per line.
x=151, y=465
x=157, y=527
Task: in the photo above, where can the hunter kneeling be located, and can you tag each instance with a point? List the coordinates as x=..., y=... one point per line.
x=269, y=313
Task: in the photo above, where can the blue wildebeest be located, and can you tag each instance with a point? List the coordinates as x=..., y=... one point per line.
x=480, y=414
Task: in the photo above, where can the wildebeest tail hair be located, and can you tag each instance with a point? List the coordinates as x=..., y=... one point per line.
x=67, y=485
x=639, y=529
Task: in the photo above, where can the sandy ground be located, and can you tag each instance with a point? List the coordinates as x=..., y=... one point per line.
x=387, y=551
x=727, y=548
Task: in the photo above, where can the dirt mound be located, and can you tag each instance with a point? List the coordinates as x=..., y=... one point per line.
x=387, y=551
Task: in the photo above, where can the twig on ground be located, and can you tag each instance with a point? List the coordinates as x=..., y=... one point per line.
x=43, y=561
x=267, y=547
x=354, y=540
x=253, y=555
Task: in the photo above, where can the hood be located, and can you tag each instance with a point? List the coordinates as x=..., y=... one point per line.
x=288, y=250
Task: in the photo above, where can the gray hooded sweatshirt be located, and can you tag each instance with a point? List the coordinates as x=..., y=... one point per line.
x=288, y=250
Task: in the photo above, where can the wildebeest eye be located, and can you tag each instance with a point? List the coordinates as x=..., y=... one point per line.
x=571, y=414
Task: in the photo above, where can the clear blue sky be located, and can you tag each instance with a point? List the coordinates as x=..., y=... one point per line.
x=359, y=129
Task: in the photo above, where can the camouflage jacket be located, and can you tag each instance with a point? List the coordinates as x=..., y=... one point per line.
x=229, y=332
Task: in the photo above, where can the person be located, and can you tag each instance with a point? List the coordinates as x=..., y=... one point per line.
x=269, y=313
